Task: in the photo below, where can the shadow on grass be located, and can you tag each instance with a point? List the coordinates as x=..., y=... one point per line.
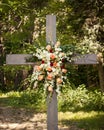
x=9, y=101
x=23, y=102
x=17, y=117
x=14, y=112
x=95, y=122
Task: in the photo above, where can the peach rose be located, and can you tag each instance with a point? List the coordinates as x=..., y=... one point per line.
x=49, y=69
x=50, y=76
x=55, y=64
x=64, y=70
x=50, y=89
x=59, y=81
x=40, y=77
x=52, y=56
x=38, y=68
x=48, y=47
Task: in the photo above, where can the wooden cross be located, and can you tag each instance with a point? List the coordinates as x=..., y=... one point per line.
x=20, y=59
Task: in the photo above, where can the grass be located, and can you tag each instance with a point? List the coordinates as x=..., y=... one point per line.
x=85, y=120
x=24, y=99
x=92, y=120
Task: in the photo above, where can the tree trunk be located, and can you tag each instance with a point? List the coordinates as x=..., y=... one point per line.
x=101, y=72
x=101, y=76
x=2, y=86
x=17, y=80
x=1, y=69
x=24, y=76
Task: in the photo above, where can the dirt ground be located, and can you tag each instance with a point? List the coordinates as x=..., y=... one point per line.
x=23, y=119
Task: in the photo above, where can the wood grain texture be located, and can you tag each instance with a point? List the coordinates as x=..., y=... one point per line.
x=52, y=112
x=20, y=59
x=51, y=29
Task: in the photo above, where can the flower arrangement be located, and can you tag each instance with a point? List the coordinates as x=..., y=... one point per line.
x=51, y=71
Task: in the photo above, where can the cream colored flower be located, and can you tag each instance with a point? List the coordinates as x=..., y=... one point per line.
x=57, y=44
x=50, y=89
x=59, y=80
x=64, y=70
x=48, y=47
x=40, y=77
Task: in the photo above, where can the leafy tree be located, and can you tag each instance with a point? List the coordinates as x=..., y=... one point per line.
x=22, y=25
x=89, y=16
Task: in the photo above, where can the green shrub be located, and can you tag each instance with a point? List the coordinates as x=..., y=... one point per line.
x=96, y=100
x=34, y=99
x=80, y=99
x=28, y=99
x=71, y=98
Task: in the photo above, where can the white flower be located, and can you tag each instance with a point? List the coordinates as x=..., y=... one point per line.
x=58, y=49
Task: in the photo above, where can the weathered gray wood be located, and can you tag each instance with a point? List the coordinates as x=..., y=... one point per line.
x=85, y=59
x=52, y=112
x=51, y=29
x=17, y=59
x=20, y=59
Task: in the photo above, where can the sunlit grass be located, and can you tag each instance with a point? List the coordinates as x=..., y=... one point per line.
x=79, y=115
x=24, y=99
x=92, y=120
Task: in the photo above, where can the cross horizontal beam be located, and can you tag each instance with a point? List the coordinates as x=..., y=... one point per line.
x=20, y=59
x=85, y=59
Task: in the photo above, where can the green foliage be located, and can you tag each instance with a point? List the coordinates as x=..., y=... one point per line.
x=21, y=19
x=71, y=99
x=33, y=99
x=28, y=99
x=10, y=73
x=80, y=98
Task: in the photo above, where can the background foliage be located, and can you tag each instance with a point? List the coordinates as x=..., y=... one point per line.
x=71, y=99
x=80, y=26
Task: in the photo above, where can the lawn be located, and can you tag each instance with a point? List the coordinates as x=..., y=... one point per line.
x=91, y=120
x=79, y=120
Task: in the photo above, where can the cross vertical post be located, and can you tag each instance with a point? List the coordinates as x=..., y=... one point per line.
x=52, y=112
x=51, y=29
